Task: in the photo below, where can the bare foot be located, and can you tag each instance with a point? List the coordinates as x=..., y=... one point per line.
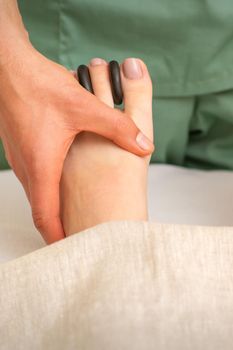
x=102, y=182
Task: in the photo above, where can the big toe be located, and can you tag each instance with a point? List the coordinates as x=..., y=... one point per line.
x=137, y=88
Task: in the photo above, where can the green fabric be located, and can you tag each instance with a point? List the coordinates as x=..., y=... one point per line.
x=195, y=132
x=187, y=46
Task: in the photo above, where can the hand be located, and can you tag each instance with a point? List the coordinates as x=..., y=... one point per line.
x=42, y=109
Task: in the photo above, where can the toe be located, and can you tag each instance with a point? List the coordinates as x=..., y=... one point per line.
x=100, y=80
x=137, y=88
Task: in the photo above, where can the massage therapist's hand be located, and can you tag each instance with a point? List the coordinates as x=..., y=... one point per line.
x=42, y=109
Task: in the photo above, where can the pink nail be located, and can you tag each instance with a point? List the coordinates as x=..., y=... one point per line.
x=132, y=68
x=97, y=62
x=144, y=142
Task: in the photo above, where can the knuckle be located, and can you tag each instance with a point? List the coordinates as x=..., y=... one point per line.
x=121, y=126
x=40, y=221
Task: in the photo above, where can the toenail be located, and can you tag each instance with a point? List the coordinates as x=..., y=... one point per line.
x=97, y=62
x=132, y=68
x=144, y=142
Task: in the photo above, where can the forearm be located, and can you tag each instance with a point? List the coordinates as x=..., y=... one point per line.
x=13, y=35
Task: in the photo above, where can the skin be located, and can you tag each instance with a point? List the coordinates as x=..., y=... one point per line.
x=100, y=181
x=42, y=109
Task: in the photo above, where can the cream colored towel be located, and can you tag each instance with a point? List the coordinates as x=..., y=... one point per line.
x=121, y=286
x=176, y=196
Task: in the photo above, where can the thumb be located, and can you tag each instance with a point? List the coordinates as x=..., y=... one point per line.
x=111, y=123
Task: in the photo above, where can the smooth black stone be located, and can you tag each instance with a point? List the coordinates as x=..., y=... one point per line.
x=84, y=77
x=115, y=79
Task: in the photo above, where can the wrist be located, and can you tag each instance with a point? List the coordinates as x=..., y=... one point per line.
x=14, y=37
x=14, y=47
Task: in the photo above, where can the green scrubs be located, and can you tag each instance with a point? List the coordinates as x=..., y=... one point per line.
x=188, y=47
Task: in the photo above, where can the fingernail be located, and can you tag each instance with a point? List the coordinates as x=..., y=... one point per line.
x=132, y=68
x=97, y=61
x=144, y=142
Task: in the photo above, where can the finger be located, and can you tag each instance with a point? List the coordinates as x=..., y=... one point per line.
x=17, y=166
x=100, y=80
x=88, y=113
x=45, y=202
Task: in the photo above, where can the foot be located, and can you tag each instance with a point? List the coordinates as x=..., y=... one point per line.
x=102, y=182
